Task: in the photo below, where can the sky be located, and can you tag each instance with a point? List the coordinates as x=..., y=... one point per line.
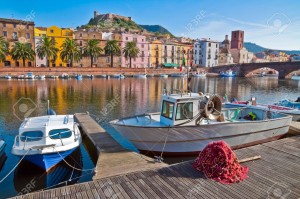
x=272, y=24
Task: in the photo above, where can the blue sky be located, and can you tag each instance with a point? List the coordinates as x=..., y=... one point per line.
x=272, y=24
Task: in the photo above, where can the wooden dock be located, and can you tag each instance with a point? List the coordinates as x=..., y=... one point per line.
x=275, y=175
x=113, y=159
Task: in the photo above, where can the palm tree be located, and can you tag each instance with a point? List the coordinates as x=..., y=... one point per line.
x=112, y=48
x=3, y=49
x=92, y=50
x=22, y=51
x=46, y=48
x=131, y=51
x=70, y=51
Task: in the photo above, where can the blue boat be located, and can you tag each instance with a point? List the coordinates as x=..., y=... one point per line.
x=60, y=175
x=78, y=77
x=228, y=73
x=47, y=140
x=289, y=103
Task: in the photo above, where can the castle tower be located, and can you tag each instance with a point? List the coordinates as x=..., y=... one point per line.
x=237, y=39
x=96, y=13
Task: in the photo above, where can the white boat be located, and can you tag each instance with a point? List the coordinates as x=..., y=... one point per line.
x=228, y=73
x=53, y=76
x=178, y=75
x=65, y=76
x=103, y=76
x=164, y=75
x=29, y=75
x=7, y=77
x=187, y=122
x=201, y=74
x=41, y=77
x=47, y=140
x=295, y=113
x=140, y=76
x=119, y=76
x=21, y=77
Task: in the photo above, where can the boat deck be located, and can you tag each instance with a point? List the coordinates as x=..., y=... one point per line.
x=277, y=172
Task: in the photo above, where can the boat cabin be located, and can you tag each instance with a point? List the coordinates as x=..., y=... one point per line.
x=179, y=108
x=44, y=131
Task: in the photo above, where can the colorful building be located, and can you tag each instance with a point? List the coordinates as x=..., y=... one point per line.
x=155, y=48
x=59, y=35
x=206, y=53
x=39, y=32
x=142, y=61
x=17, y=31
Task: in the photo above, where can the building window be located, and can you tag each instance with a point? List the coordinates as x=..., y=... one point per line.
x=80, y=35
x=94, y=36
x=27, y=36
x=107, y=59
x=209, y=44
x=142, y=59
x=15, y=35
x=80, y=43
x=142, y=40
x=51, y=31
x=4, y=25
x=216, y=45
x=165, y=60
x=142, y=45
x=4, y=34
x=126, y=38
x=15, y=25
x=27, y=27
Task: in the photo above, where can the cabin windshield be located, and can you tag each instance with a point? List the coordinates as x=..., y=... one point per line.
x=184, y=111
x=60, y=133
x=167, y=109
x=31, y=136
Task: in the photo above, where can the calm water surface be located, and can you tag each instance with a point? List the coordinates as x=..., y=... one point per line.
x=99, y=97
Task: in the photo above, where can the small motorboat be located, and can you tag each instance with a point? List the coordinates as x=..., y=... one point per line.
x=21, y=77
x=164, y=75
x=118, y=76
x=7, y=77
x=47, y=140
x=103, y=76
x=178, y=75
x=78, y=77
x=140, y=76
x=201, y=74
x=41, y=77
x=228, y=73
x=187, y=122
x=29, y=75
x=53, y=76
x=65, y=76
x=90, y=76
x=290, y=103
x=276, y=108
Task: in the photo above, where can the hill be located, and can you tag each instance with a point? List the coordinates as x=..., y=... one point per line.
x=156, y=28
x=252, y=47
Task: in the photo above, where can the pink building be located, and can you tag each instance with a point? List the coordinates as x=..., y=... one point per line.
x=142, y=61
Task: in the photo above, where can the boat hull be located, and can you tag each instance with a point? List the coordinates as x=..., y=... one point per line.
x=47, y=161
x=190, y=140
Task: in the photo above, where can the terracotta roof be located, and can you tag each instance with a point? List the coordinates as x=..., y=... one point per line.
x=16, y=21
x=41, y=28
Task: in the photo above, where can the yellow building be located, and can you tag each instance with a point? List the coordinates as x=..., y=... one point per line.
x=59, y=35
x=155, y=48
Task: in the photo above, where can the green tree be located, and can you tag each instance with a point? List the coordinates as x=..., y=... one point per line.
x=131, y=51
x=46, y=48
x=22, y=51
x=92, y=50
x=112, y=48
x=70, y=51
x=3, y=49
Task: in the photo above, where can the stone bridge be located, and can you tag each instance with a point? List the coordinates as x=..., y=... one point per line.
x=285, y=69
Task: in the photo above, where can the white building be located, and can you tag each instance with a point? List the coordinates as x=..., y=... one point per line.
x=206, y=53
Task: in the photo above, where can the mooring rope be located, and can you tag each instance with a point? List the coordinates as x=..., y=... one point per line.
x=14, y=167
x=71, y=165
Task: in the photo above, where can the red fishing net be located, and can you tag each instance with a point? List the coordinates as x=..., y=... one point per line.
x=218, y=162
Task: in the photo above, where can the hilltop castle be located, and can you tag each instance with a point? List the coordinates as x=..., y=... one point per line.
x=109, y=16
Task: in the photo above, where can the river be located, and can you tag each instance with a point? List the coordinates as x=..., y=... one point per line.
x=133, y=96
